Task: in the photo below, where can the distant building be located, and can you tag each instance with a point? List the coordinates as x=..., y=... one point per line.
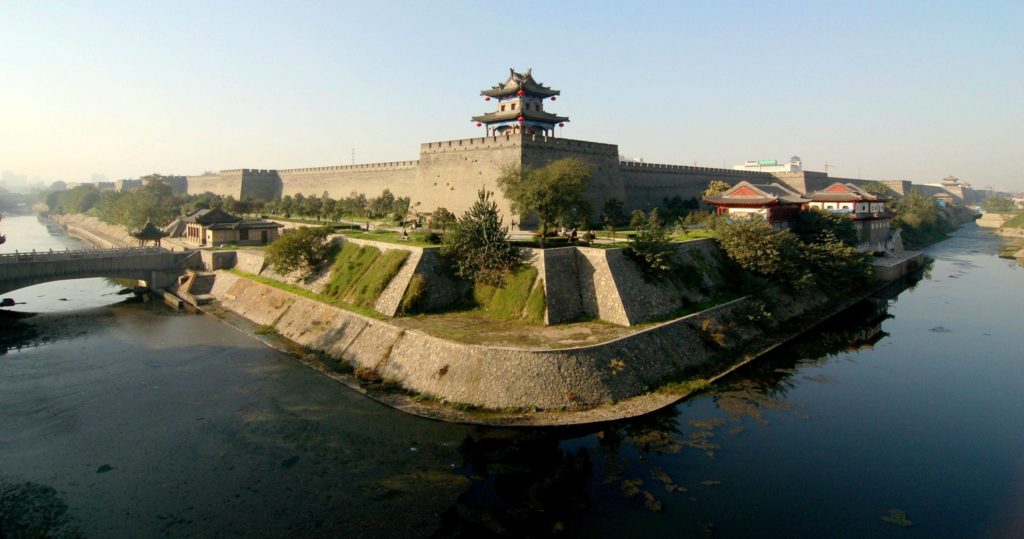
x=771, y=166
x=216, y=227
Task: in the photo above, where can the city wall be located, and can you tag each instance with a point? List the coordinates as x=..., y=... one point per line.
x=648, y=185
x=450, y=173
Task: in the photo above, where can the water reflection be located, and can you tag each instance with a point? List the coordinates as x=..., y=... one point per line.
x=536, y=483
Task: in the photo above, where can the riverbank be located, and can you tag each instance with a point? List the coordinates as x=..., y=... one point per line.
x=646, y=369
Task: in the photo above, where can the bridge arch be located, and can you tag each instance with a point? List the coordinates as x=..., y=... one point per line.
x=156, y=266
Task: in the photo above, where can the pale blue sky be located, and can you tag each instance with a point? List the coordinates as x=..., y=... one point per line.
x=908, y=90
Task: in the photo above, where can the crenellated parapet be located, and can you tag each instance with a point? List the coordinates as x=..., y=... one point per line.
x=342, y=169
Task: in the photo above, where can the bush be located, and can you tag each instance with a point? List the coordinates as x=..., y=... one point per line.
x=478, y=246
x=304, y=249
x=649, y=245
x=758, y=247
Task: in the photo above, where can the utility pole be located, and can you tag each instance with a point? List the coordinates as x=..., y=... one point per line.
x=828, y=166
x=353, y=155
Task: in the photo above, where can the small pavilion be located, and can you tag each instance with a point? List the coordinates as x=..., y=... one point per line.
x=149, y=232
x=520, y=107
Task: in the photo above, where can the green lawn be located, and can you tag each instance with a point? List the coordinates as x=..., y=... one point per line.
x=1016, y=222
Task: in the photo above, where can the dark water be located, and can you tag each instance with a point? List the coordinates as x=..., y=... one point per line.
x=129, y=420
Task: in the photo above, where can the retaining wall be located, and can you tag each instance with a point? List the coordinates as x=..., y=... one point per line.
x=480, y=375
x=607, y=284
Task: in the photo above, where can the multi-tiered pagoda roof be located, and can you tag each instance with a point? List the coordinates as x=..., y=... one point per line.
x=520, y=106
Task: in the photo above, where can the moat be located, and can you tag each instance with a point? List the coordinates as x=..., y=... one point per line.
x=146, y=422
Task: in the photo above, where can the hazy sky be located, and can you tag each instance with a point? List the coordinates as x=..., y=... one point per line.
x=908, y=90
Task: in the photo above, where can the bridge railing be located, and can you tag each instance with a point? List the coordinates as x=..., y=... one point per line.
x=68, y=254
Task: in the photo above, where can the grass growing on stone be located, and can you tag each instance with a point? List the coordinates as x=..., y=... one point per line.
x=360, y=274
x=536, y=304
x=685, y=387
x=413, y=295
x=1016, y=222
x=508, y=302
x=310, y=295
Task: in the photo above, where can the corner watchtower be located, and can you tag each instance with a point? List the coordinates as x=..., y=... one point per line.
x=520, y=107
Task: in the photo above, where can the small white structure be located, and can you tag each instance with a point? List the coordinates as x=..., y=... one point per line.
x=771, y=165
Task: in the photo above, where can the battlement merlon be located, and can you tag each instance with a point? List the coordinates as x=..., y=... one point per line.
x=511, y=140
x=659, y=167
x=366, y=167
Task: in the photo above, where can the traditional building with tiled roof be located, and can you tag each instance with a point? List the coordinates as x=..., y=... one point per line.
x=212, y=227
x=776, y=203
x=520, y=107
x=867, y=210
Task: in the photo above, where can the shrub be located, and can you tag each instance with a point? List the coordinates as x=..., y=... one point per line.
x=758, y=247
x=478, y=246
x=649, y=245
x=304, y=249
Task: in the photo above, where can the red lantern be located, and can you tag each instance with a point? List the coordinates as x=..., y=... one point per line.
x=561, y=125
x=521, y=119
x=487, y=99
x=478, y=124
x=553, y=98
x=520, y=93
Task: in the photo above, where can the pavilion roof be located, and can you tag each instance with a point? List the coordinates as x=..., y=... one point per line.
x=844, y=192
x=534, y=115
x=519, y=81
x=746, y=193
x=210, y=216
x=148, y=232
x=260, y=223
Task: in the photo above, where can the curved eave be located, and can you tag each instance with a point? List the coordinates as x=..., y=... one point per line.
x=534, y=91
x=530, y=115
x=744, y=203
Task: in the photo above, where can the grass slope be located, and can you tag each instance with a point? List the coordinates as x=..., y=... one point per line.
x=510, y=301
x=360, y=274
x=1016, y=222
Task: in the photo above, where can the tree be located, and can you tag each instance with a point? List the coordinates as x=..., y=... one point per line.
x=650, y=245
x=758, y=247
x=715, y=187
x=478, y=245
x=304, y=248
x=819, y=226
x=998, y=204
x=442, y=218
x=612, y=215
x=556, y=192
x=637, y=219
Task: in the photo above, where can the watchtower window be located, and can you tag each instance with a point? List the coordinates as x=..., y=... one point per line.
x=503, y=108
x=513, y=106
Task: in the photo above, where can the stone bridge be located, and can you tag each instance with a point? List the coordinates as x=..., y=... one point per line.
x=158, y=267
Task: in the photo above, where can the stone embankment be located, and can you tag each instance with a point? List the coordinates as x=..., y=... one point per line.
x=95, y=232
x=992, y=220
x=598, y=382
x=484, y=376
